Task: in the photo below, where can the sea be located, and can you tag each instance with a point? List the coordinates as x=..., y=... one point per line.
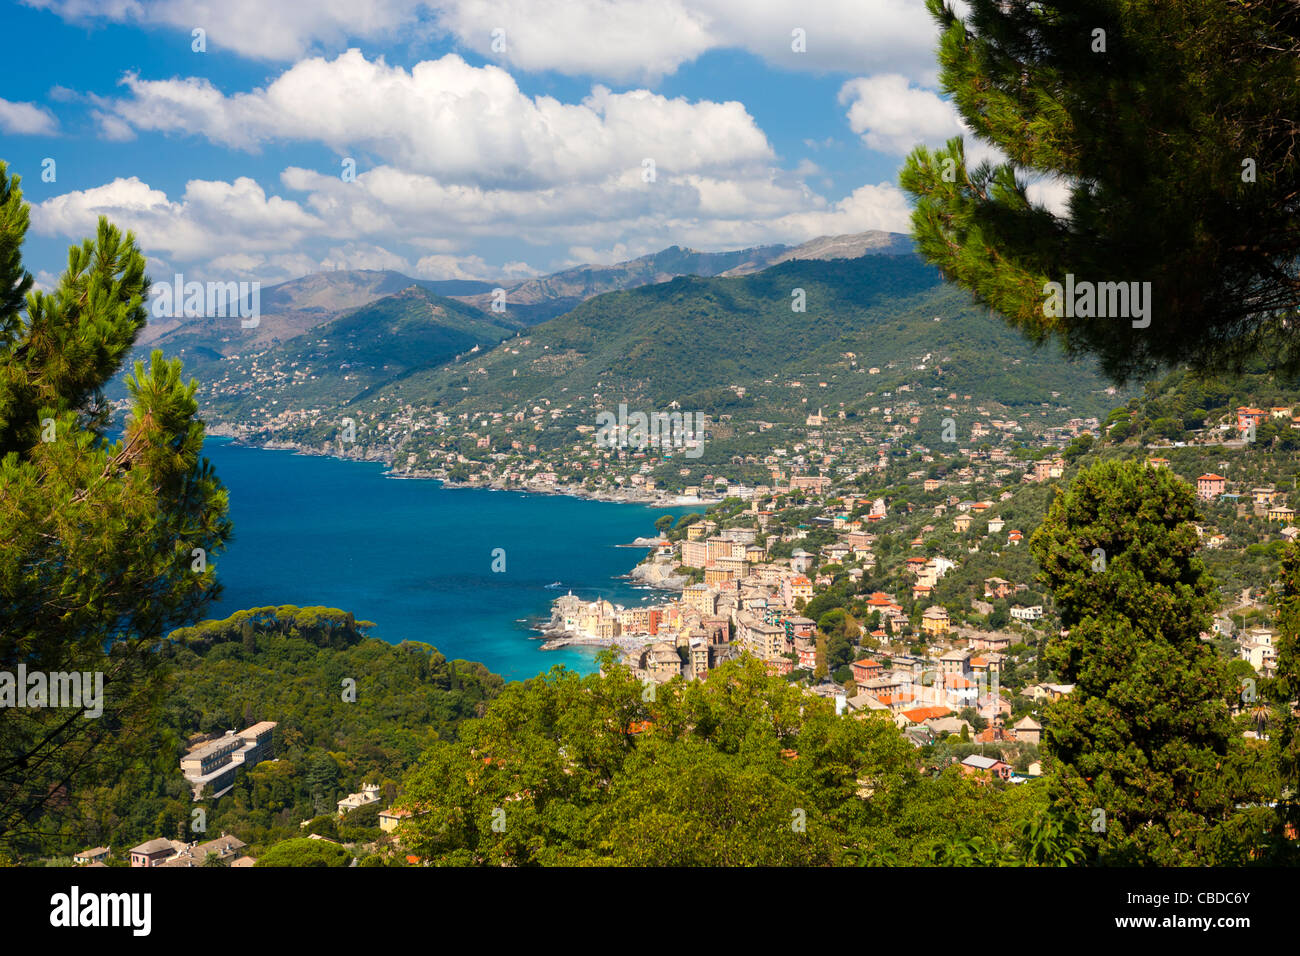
x=417, y=558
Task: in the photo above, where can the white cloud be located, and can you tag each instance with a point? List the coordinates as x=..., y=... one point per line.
x=383, y=220
x=626, y=40
x=255, y=28
x=364, y=256
x=1051, y=192
x=461, y=123
x=26, y=119
x=622, y=40
x=891, y=115
x=470, y=267
x=211, y=218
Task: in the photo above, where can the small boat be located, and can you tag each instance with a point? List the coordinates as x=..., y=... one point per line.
x=555, y=584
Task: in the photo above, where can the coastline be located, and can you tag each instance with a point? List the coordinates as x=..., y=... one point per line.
x=234, y=435
x=652, y=574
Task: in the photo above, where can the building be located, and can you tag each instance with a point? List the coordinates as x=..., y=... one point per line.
x=1210, y=486
x=1028, y=730
x=96, y=855
x=369, y=794
x=694, y=552
x=934, y=621
x=975, y=765
x=818, y=485
x=1032, y=613
x=1263, y=497
x=955, y=662
x=766, y=641
x=211, y=767
x=702, y=598
x=1256, y=648
x=390, y=819
x=662, y=661
x=226, y=848
x=794, y=588
x=866, y=670
x=996, y=588
x=154, y=852
x=1248, y=416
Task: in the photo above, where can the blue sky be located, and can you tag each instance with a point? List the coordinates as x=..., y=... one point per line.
x=491, y=138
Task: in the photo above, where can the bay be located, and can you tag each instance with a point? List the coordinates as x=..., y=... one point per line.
x=416, y=558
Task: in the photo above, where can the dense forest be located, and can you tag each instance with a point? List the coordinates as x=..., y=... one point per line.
x=288, y=665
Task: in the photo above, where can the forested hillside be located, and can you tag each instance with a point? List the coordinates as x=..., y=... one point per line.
x=288, y=665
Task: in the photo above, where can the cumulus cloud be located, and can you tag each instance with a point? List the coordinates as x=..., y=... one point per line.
x=26, y=119
x=470, y=267
x=211, y=218
x=892, y=115
x=444, y=117
x=621, y=40
x=382, y=220
x=254, y=28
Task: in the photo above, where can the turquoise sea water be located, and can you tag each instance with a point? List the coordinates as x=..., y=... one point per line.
x=416, y=558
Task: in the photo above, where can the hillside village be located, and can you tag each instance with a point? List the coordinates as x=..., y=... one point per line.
x=885, y=603
x=885, y=574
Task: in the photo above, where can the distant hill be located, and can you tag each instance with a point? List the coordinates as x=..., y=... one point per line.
x=292, y=308
x=735, y=346
x=537, y=299
x=347, y=355
x=835, y=247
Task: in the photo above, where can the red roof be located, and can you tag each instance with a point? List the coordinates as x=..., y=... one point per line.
x=1211, y=478
x=921, y=714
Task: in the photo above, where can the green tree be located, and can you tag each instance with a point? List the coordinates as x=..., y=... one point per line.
x=739, y=769
x=108, y=545
x=305, y=852
x=1173, y=125
x=1144, y=738
x=322, y=780
x=1284, y=690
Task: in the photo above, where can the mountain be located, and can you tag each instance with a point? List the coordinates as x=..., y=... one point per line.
x=852, y=246
x=535, y=300
x=546, y=297
x=344, y=357
x=880, y=334
x=292, y=308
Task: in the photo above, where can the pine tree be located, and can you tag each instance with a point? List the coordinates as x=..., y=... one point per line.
x=105, y=546
x=1141, y=748
x=1175, y=127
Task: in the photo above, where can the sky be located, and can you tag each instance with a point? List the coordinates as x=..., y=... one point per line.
x=485, y=139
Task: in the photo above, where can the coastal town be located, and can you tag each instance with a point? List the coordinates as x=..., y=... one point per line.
x=918, y=604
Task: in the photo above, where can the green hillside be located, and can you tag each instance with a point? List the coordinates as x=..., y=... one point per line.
x=694, y=341
x=345, y=357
